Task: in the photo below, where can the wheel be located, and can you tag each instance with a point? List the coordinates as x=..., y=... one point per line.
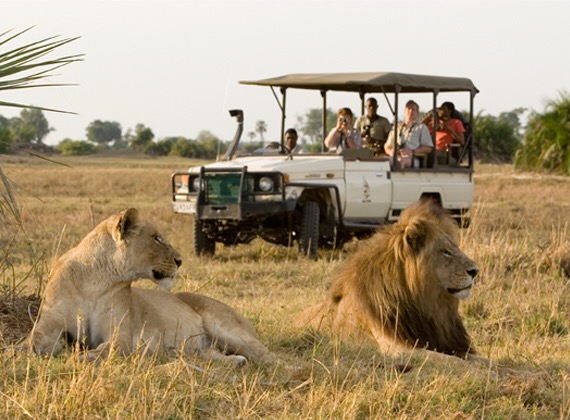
x=203, y=245
x=309, y=232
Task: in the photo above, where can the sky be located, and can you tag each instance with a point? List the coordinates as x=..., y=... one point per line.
x=175, y=66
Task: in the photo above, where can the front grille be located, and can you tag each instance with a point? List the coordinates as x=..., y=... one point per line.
x=222, y=188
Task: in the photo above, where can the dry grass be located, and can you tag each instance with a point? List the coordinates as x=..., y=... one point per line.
x=518, y=314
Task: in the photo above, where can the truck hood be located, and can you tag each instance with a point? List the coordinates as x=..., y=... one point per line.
x=299, y=167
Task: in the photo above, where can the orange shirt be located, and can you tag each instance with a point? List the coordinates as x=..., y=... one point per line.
x=443, y=139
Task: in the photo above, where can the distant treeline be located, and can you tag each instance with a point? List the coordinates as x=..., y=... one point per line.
x=541, y=144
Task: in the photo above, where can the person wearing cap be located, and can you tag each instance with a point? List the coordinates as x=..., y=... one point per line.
x=449, y=130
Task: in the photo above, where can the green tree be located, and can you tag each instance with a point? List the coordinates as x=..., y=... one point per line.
x=35, y=119
x=20, y=131
x=497, y=138
x=183, y=147
x=311, y=124
x=208, y=144
x=5, y=140
x=160, y=148
x=143, y=137
x=4, y=123
x=546, y=142
x=5, y=135
x=103, y=132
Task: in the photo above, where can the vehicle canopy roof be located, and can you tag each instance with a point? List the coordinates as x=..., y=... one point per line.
x=386, y=82
x=370, y=82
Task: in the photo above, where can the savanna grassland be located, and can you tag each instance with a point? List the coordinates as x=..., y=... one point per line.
x=518, y=314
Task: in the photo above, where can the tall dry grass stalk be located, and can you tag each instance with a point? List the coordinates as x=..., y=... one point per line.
x=517, y=315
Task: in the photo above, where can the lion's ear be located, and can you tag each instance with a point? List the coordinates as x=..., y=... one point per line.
x=128, y=220
x=415, y=235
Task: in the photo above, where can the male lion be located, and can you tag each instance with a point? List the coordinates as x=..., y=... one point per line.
x=403, y=286
x=89, y=299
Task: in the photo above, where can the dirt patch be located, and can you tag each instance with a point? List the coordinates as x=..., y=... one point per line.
x=17, y=315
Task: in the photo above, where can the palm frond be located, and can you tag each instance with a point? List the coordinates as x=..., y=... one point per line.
x=26, y=66
x=8, y=203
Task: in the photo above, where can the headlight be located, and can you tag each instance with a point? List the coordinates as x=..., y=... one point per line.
x=196, y=184
x=265, y=184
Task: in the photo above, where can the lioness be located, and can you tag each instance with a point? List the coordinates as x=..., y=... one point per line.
x=89, y=299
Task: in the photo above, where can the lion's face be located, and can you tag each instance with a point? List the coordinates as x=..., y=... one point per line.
x=146, y=252
x=454, y=271
x=430, y=238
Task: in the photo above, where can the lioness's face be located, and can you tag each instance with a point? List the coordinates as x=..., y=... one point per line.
x=454, y=270
x=152, y=254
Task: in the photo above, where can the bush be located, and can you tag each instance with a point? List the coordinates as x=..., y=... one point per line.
x=546, y=144
x=5, y=140
x=69, y=147
x=496, y=138
x=162, y=148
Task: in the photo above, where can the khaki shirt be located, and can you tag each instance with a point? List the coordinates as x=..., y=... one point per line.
x=379, y=129
x=411, y=137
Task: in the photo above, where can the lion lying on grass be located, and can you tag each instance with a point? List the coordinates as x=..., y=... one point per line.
x=403, y=286
x=89, y=299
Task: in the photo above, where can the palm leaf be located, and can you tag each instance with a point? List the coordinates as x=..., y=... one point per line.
x=26, y=66
x=8, y=203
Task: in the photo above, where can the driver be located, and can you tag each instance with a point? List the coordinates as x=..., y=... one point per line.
x=291, y=142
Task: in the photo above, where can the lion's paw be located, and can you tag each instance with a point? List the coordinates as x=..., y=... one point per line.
x=237, y=360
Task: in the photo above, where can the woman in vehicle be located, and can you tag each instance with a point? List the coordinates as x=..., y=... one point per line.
x=344, y=135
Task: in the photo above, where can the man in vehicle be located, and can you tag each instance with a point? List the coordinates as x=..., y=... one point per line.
x=373, y=128
x=412, y=136
x=291, y=142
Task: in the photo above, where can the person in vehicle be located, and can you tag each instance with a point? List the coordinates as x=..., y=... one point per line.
x=413, y=138
x=373, y=128
x=291, y=138
x=450, y=130
x=343, y=136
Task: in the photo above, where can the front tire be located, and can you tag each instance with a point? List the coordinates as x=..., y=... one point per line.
x=309, y=232
x=203, y=245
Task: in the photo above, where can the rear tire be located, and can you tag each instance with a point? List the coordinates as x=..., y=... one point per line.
x=203, y=245
x=309, y=232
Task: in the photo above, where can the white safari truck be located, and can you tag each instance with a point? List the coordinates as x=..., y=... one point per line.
x=322, y=199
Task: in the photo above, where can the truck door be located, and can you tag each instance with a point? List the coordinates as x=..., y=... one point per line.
x=368, y=190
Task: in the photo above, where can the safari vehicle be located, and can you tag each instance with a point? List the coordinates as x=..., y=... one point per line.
x=321, y=199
